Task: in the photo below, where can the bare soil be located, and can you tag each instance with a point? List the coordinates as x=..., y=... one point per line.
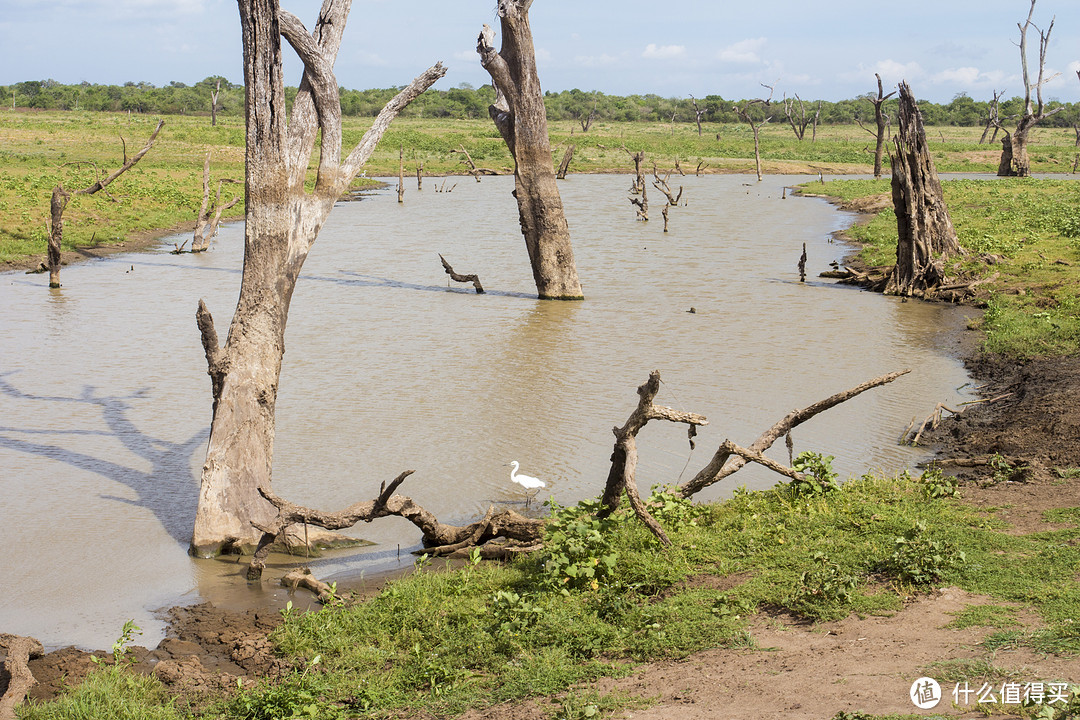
x=135, y=242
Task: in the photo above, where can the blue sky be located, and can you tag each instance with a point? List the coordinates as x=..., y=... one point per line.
x=828, y=50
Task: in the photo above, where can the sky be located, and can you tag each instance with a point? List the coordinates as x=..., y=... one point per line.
x=827, y=50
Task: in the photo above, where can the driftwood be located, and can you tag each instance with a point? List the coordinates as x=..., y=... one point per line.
x=20, y=680
x=473, y=170
x=727, y=460
x=934, y=418
x=438, y=538
x=458, y=277
x=638, y=186
x=624, y=456
x=302, y=577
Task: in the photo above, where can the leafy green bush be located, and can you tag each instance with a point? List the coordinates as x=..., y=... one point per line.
x=577, y=552
x=920, y=560
x=823, y=590
x=818, y=472
x=934, y=485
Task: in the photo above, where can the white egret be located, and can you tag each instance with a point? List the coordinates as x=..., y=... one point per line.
x=526, y=481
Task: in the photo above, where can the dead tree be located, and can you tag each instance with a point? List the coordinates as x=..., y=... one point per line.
x=214, y=105
x=699, y=112
x=283, y=220
x=420, y=176
x=621, y=478
x=729, y=458
x=992, y=118
x=926, y=233
x=587, y=121
x=746, y=113
x=520, y=116
x=1014, y=153
x=639, y=196
x=568, y=156
x=401, y=176
x=798, y=119
x=467, y=159
x=60, y=198
x=458, y=277
x=19, y=651
x=206, y=227
x=881, y=122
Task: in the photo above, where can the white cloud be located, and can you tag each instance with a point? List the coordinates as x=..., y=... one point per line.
x=968, y=77
x=595, y=60
x=891, y=73
x=663, y=52
x=745, y=52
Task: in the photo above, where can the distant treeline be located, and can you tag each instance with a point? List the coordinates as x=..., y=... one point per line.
x=468, y=102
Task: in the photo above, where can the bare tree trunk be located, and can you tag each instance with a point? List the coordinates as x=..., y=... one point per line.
x=282, y=223
x=206, y=226
x=927, y=237
x=401, y=176
x=698, y=113
x=520, y=116
x=992, y=119
x=213, y=104
x=564, y=166
x=743, y=111
x=1014, y=154
x=60, y=198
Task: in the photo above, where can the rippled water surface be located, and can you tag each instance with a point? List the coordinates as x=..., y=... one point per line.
x=105, y=401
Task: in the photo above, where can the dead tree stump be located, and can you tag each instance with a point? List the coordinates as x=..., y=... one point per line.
x=927, y=236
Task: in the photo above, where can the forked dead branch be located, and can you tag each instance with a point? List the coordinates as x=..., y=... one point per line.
x=502, y=534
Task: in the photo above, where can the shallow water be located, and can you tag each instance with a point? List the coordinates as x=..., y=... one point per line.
x=105, y=402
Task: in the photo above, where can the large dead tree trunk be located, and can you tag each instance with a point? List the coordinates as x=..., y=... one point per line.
x=1014, y=154
x=926, y=233
x=282, y=222
x=521, y=118
x=60, y=198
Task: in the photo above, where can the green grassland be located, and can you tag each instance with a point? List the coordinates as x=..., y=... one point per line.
x=1031, y=227
x=42, y=148
x=602, y=596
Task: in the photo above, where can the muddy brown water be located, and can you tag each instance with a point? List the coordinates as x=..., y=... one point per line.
x=105, y=402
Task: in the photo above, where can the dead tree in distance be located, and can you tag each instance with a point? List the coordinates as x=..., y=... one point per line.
x=699, y=112
x=798, y=120
x=747, y=114
x=206, y=227
x=881, y=122
x=926, y=234
x=283, y=220
x=213, y=104
x=1014, y=154
x=993, y=120
x=60, y=198
x=520, y=116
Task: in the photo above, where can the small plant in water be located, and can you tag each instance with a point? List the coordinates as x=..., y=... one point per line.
x=120, y=646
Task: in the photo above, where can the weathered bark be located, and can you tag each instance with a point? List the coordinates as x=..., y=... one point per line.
x=282, y=222
x=521, y=118
x=438, y=538
x=1014, y=155
x=727, y=460
x=926, y=234
x=568, y=156
x=624, y=455
x=60, y=198
x=206, y=227
x=20, y=650
x=458, y=277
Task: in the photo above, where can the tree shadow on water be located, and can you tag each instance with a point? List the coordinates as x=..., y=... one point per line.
x=168, y=489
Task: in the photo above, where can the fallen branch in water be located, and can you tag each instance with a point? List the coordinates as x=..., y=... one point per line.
x=458, y=277
x=726, y=461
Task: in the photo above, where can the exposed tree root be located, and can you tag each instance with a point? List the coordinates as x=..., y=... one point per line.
x=19, y=652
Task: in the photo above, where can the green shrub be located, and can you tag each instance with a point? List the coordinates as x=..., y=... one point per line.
x=818, y=472
x=577, y=553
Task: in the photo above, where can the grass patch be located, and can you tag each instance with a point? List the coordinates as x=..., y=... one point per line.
x=111, y=692
x=991, y=616
x=1031, y=225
